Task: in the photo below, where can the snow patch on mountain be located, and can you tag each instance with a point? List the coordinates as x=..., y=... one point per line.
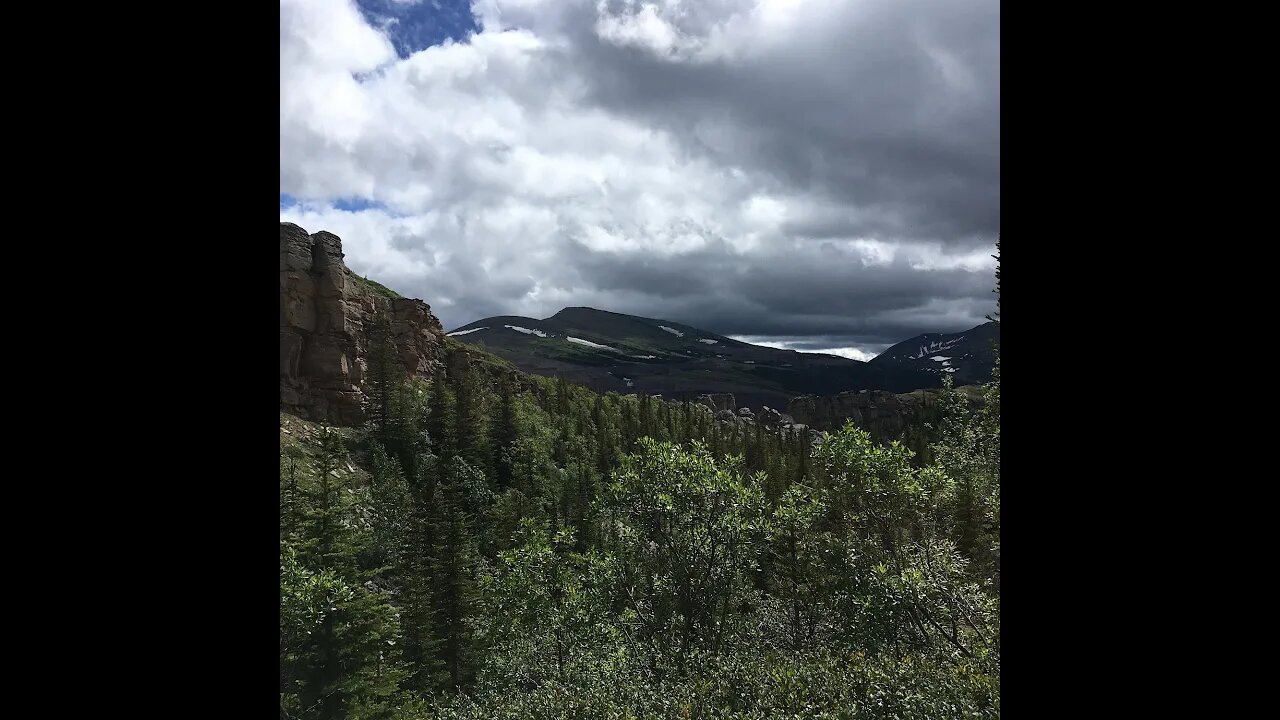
x=709, y=342
x=936, y=347
x=590, y=344
x=456, y=333
x=673, y=331
x=527, y=331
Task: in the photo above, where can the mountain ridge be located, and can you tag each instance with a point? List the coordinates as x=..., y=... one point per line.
x=326, y=312
x=610, y=351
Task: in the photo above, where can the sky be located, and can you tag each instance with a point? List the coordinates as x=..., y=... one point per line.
x=818, y=175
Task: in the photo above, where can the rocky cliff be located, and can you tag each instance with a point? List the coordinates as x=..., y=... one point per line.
x=881, y=413
x=325, y=314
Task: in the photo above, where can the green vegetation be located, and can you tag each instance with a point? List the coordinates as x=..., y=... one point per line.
x=376, y=287
x=521, y=547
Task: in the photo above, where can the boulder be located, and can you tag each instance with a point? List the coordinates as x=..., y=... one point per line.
x=718, y=401
x=769, y=416
x=728, y=417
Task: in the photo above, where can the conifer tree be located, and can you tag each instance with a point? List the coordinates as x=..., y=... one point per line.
x=420, y=621
x=384, y=381
x=504, y=434
x=292, y=494
x=441, y=413
x=390, y=509
x=348, y=663
x=470, y=438
x=453, y=561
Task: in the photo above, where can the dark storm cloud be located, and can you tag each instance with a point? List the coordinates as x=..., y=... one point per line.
x=802, y=291
x=890, y=104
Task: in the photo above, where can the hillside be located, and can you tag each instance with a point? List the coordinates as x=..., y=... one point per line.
x=967, y=355
x=626, y=353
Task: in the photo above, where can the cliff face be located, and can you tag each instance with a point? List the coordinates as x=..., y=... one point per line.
x=881, y=413
x=325, y=313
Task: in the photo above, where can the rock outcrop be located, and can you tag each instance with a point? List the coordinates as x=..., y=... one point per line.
x=718, y=401
x=769, y=416
x=881, y=413
x=326, y=312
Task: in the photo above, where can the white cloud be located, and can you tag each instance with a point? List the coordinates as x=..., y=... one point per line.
x=852, y=353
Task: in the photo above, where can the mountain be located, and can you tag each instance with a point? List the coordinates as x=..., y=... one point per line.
x=967, y=355
x=626, y=353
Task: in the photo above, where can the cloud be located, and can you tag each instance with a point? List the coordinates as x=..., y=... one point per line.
x=808, y=345
x=822, y=171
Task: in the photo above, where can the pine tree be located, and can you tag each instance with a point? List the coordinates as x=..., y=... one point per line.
x=385, y=380
x=604, y=447
x=646, y=417
x=503, y=436
x=468, y=417
x=348, y=663
x=453, y=559
x=441, y=413
x=390, y=510
x=292, y=495
x=422, y=645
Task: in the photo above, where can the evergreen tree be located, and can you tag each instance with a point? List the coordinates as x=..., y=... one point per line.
x=441, y=416
x=471, y=440
x=421, y=633
x=384, y=382
x=453, y=564
x=503, y=435
x=346, y=663
x=292, y=495
x=390, y=510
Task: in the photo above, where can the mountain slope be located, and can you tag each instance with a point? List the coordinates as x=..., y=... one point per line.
x=627, y=353
x=966, y=356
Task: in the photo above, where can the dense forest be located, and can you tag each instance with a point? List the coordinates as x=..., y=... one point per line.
x=522, y=547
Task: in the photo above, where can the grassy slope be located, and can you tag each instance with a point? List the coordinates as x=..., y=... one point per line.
x=376, y=287
x=299, y=439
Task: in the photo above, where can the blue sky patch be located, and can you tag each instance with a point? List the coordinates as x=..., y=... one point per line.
x=357, y=204
x=348, y=204
x=414, y=26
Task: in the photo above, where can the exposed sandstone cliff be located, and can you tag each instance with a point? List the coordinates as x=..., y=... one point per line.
x=325, y=313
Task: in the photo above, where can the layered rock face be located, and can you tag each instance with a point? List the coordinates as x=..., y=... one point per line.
x=718, y=401
x=326, y=312
x=879, y=412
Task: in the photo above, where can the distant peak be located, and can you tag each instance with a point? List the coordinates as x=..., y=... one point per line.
x=581, y=310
